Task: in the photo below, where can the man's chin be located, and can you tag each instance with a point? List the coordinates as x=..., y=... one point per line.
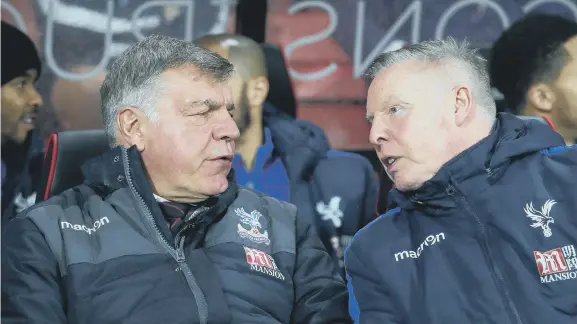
x=16, y=138
x=218, y=186
x=407, y=186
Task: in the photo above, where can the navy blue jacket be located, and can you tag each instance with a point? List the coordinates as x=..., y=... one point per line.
x=337, y=189
x=490, y=239
x=21, y=174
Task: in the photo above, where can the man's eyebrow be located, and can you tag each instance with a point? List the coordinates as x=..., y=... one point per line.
x=370, y=117
x=211, y=104
x=201, y=103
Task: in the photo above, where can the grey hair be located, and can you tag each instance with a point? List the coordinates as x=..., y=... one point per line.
x=133, y=78
x=467, y=65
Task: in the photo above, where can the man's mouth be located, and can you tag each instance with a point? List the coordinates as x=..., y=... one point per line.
x=28, y=119
x=389, y=162
x=227, y=157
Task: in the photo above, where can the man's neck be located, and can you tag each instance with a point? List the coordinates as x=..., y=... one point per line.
x=567, y=133
x=474, y=133
x=250, y=141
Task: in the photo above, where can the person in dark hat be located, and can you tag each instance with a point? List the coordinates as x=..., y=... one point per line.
x=534, y=65
x=20, y=105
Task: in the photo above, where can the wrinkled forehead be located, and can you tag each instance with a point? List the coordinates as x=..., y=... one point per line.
x=188, y=85
x=30, y=74
x=401, y=81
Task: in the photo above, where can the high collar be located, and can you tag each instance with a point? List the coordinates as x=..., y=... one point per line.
x=481, y=165
x=115, y=168
x=300, y=144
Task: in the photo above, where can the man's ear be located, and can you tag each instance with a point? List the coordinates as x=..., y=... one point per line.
x=463, y=104
x=256, y=91
x=132, y=124
x=541, y=97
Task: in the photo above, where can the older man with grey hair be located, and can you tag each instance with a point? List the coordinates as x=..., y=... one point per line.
x=485, y=228
x=159, y=233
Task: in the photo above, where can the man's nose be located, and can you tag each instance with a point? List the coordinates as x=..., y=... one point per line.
x=35, y=100
x=377, y=134
x=226, y=129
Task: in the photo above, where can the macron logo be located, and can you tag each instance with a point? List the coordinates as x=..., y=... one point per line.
x=99, y=223
x=430, y=240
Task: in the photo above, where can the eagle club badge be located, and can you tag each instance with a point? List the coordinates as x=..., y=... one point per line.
x=331, y=211
x=541, y=218
x=252, y=221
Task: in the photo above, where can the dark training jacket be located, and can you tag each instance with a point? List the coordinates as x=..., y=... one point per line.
x=103, y=253
x=337, y=189
x=490, y=239
x=21, y=174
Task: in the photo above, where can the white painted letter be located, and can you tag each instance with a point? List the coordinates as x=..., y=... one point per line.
x=529, y=6
x=188, y=26
x=415, y=10
x=18, y=19
x=49, y=43
x=311, y=39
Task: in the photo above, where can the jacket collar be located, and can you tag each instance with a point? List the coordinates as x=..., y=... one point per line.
x=299, y=144
x=481, y=165
x=120, y=168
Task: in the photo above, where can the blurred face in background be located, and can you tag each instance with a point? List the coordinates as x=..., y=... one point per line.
x=242, y=114
x=409, y=106
x=20, y=106
x=248, y=94
x=565, y=88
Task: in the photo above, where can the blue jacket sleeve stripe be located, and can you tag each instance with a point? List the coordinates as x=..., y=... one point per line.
x=558, y=149
x=391, y=212
x=353, y=305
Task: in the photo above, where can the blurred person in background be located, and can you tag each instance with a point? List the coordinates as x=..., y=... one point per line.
x=485, y=230
x=291, y=159
x=534, y=65
x=20, y=107
x=159, y=232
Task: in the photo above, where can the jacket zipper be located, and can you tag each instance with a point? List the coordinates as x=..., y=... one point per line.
x=496, y=271
x=177, y=254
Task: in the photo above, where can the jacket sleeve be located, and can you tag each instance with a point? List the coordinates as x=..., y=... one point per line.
x=31, y=291
x=320, y=292
x=369, y=301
